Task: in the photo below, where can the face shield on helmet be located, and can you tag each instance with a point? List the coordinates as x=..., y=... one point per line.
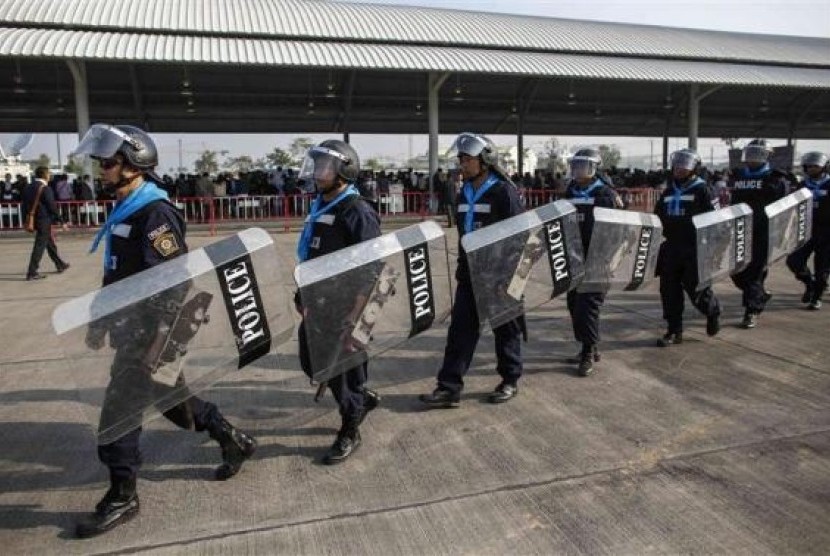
x=814, y=160
x=684, y=159
x=102, y=141
x=755, y=153
x=469, y=144
x=322, y=165
x=584, y=164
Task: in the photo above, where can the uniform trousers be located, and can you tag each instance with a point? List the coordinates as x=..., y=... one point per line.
x=462, y=339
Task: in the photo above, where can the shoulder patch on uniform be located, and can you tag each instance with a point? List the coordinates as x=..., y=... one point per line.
x=158, y=231
x=166, y=244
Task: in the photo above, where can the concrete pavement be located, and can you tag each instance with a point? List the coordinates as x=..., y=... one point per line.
x=720, y=445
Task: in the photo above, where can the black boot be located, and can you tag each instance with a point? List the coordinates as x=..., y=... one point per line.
x=371, y=400
x=670, y=338
x=807, y=296
x=118, y=506
x=236, y=448
x=587, y=357
x=347, y=441
x=713, y=324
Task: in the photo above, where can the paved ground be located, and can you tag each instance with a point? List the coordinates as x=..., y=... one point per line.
x=716, y=446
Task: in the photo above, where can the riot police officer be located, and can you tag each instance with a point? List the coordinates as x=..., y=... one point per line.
x=486, y=197
x=339, y=217
x=685, y=195
x=817, y=179
x=142, y=231
x=757, y=184
x=587, y=190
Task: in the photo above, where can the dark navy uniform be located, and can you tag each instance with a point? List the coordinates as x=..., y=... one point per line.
x=47, y=213
x=584, y=307
x=819, y=243
x=499, y=202
x=677, y=259
x=757, y=189
x=349, y=222
x=148, y=237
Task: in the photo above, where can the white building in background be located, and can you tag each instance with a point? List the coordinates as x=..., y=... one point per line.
x=510, y=159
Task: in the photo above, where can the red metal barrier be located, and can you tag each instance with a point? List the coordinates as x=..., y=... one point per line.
x=291, y=209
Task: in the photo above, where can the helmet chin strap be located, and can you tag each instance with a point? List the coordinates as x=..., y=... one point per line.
x=113, y=188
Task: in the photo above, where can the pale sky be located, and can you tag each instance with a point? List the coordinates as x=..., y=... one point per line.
x=798, y=17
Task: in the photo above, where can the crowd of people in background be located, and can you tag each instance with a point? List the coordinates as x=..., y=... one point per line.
x=283, y=182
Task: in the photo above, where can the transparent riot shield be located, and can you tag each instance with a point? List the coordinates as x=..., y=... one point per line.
x=724, y=243
x=623, y=250
x=367, y=298
x=524, y=261
x=790, y=223
x=141, y=346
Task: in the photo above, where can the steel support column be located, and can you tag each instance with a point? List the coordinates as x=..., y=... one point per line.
x=434, y=82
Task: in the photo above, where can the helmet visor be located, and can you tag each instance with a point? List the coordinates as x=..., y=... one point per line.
x=683, y=160
x=101, y=141
x=814, y=159
x=469, y=144
x=755, y=154
x=321, y=165
x=582, y=168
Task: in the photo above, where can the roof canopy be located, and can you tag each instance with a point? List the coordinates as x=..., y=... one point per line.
x=317, y=66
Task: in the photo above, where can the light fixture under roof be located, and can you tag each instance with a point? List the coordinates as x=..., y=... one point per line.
x=571, y=98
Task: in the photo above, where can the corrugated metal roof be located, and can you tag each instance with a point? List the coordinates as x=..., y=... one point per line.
x=183, y=49
x=336, y=21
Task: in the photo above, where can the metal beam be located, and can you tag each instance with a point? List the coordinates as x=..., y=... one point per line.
x=434, y=83
x=138, y=102
x=78, y=69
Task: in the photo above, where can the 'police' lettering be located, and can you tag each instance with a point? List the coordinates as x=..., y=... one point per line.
x=802, y=222
x=740, y=240
x=558, y=257
x=245, y=309
x=641, y=262
x=419, y=283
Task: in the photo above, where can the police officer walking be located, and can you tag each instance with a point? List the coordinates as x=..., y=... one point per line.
x=339, y=218
x=757, y=184
x=487, y=196
x=142, y=231
x=817, y=180
x=685, y=195
x=586, y=190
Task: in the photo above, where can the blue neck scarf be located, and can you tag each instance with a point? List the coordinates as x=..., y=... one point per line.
x=139, y=198
x=677, y=193
x=579, y=193
x=816, y=185
x=761, y=172
x=318, y=209
x=473, y=196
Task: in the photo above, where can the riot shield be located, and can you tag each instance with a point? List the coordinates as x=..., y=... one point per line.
x=367, y=298
x=623, y=250
x=724, y=243
x=524, y=261
x=790, y=223
x=141, y=346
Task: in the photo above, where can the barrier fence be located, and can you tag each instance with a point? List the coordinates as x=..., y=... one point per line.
x=289, y=210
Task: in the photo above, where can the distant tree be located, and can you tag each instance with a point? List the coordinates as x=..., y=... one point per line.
x=42, y=160
x=279, y=157
x=730, y=141
x=552, y=156
x=298, y=148
x=242, y=163
x=373, y=164
x=74, y=166
x=610, y=155
x=207, y=161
